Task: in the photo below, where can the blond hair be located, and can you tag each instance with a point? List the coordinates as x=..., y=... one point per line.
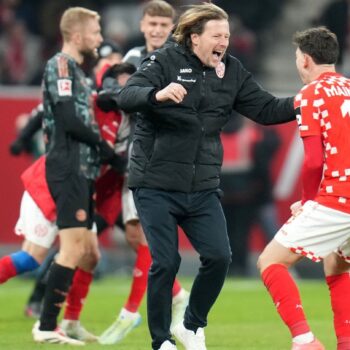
x=194, y=19
x=159, y=8
x=73, y=17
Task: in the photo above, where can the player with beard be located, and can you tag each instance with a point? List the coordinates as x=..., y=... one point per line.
x=72, y=160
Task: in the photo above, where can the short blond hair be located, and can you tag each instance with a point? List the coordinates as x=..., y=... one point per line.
x=73, y=17
x=194, y=19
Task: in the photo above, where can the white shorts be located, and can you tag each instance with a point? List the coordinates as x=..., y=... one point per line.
x=128, y=205
x=33, y=225
x=316, y=231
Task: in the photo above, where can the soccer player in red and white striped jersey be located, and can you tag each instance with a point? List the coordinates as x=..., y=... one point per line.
x=319, y=227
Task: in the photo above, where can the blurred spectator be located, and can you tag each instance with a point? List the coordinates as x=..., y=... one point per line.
x=247, y=185
x=20, y=62
x=109, y=54
x=335, y=16
x=243, y=43
x=7, y=12
x=265, y=148
x=257, y=15
x=121, y=22
x=29, y=137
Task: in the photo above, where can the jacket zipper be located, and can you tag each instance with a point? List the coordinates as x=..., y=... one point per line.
x=202, y=132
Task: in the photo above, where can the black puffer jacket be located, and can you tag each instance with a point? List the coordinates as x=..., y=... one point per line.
x=177, y=147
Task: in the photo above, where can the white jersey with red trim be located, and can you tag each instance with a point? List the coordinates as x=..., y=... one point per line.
x=323, y=108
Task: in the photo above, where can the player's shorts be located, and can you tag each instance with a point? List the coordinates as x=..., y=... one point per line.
x=33, y=225
x=128, y=205
x=316, y=231
x=74, y=201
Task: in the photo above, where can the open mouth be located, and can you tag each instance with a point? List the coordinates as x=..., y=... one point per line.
x=217, y=54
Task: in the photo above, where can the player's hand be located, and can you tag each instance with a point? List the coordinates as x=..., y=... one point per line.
x=105, y=151
x=119, y=163
x=174, y=92
x=17, y=147
x=106, y=101
x=295, y=207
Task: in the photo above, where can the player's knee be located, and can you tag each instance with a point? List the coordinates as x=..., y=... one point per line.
x=264, y=261
x=93, y=259
x=220, y=261
x=169, y=266
x=133, y=237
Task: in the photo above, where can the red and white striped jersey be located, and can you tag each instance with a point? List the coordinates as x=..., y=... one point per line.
x=323, y=108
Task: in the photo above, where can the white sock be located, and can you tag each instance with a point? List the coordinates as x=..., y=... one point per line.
x=124, y=313
x=180, y=296
x=304, y=338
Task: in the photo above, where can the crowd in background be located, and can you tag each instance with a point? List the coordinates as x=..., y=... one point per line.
x=29, y=31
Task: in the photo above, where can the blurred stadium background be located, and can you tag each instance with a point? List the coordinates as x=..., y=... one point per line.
x=261, y=39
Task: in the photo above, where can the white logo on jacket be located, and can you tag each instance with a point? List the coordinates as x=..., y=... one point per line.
x=189, y=80
x=186, y=70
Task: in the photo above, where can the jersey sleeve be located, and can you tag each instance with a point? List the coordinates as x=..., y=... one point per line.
x=306, y=105
x=60, y=79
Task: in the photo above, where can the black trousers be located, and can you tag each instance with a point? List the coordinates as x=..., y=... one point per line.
x=201, y=217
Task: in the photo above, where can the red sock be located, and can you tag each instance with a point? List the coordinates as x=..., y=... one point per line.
x=77, y=294
x=140, y=275
x=339, y=288
x=286, y=298
x=7, y=269
x=176, y=287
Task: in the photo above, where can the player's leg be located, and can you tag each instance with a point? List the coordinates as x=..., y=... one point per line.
x=33, y=306
x=337, y=276
x=73, y=198
x=273, y=264
x=136, y=238
x=205, y=226
x=303, y=235
x=38, y=233
x=79, y=290
x=129, y=317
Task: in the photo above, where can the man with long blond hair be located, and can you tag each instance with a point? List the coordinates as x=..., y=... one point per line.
x=185, y=94
x=156, y=25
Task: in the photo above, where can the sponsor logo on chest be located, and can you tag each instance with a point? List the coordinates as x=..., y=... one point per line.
x=186, y=70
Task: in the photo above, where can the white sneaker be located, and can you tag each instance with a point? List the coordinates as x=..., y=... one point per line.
x=180, y=302
x=189, y=339
x=124, y=324
x=75, y=330
x=53, y=337
x=168, y=345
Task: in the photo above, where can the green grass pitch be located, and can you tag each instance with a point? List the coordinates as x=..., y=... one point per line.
x=243, y=317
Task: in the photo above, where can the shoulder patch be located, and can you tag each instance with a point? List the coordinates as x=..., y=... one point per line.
x=62, y=65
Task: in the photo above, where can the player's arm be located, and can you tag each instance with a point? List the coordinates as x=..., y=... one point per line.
x=72, y=125
x=27, y=133
x=312, y=169
x=141, y=88
x=257, y=104
x=65, y=114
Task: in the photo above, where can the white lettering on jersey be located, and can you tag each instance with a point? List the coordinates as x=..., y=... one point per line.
x=345, y=108
x=337, y=91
